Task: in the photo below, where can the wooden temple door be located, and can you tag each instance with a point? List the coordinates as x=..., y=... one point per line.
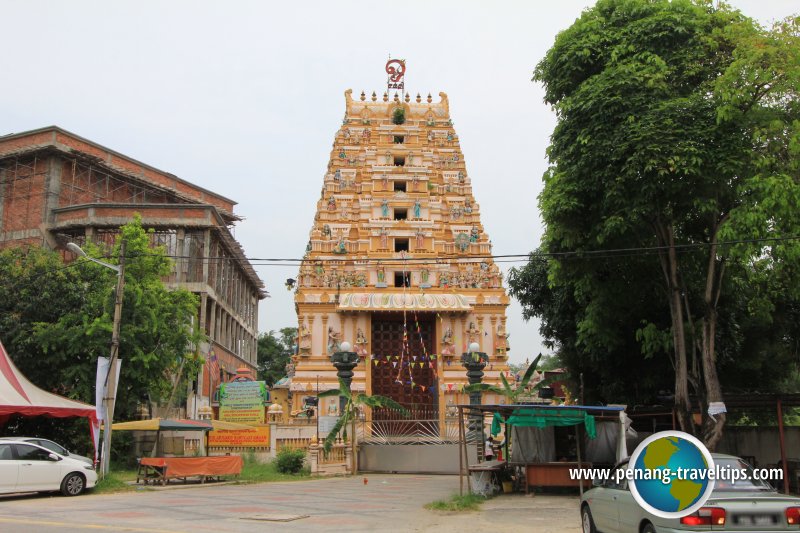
x=398, y=367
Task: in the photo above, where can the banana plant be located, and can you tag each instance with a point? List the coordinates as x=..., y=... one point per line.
x=513, y=394
x=351, y=408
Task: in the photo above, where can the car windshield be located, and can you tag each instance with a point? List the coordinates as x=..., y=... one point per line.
x=745, y=479
x=52, y=446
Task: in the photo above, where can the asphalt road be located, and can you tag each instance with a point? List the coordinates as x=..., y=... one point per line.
x=385, y=503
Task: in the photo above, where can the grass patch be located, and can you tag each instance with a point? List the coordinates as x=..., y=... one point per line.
x=116, y=481
x=467, y=502
x=255, y=472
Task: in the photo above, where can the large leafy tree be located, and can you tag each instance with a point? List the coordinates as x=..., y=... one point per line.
x=275, y=350
x=677, y=134
x=56, y=320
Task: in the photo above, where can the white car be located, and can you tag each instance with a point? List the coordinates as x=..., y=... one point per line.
x=27, y=467
x=52, y=446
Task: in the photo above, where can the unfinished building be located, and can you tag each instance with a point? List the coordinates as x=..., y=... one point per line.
x=56, y=187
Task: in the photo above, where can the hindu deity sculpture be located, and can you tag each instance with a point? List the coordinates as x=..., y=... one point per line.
x=331, y=203
x=334, y=340
x=385, y=208
x=474, y=234
x=305, y=339
x=502, y=344
x=448, y=347
x=361, y=343
x=473, y=333
x=417, y=209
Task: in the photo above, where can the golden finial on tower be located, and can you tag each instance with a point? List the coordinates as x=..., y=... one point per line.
x=408, y=97
x=363, y=96
x=374, y=96
x=396, y=97
x=419, y=98
x=385, y=97
x=430, y=98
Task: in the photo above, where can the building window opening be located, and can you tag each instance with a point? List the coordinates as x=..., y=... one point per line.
x=399, y=160
x=401, y=214
x=401, y=245
x=399, y=139
x=400, y=186
x=402, y=279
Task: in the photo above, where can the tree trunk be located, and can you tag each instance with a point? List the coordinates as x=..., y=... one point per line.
x=712, y=427
x=669, y=265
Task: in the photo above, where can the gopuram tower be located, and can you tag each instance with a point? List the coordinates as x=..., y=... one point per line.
x=398, y=263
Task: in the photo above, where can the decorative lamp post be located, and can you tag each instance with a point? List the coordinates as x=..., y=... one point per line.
x=475, y=361
x=111, y=377
x=345, y=360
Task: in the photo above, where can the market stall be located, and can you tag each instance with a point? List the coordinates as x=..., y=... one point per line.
x=160, y=470
x=528, y=429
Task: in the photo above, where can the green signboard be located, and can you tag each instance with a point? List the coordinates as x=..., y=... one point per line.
x=243, y=401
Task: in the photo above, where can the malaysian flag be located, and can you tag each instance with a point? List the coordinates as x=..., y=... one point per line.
x=213, y=366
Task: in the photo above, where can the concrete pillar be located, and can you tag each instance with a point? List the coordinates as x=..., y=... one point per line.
x=273, y=438
x=181, y=262
x=52, y=187
x=314, y=450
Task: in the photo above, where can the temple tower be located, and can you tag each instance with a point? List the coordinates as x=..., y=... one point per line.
x=398, y=263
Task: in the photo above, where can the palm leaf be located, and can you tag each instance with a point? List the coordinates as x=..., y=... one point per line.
x=329, y=393
x=529, y=373
x=509, y=393
x=331, y=438
x=383, y=401
x=344, y=390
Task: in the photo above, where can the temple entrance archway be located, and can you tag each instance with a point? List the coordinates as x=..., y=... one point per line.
x=405, y=362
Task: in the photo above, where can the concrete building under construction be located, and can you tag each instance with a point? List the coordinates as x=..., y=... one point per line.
x=56, y=187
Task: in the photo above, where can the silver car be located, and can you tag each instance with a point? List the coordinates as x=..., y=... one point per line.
x=52, y=446
x=746, y=505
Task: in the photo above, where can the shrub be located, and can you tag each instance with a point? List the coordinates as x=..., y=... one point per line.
x=399, y=115
x=290, y=460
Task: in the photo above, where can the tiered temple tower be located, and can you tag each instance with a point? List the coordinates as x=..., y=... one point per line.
x=398, y=263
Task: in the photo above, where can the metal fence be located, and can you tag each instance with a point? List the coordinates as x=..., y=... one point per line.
x=420, y=426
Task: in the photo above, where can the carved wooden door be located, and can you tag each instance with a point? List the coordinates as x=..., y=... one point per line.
x=397, y=368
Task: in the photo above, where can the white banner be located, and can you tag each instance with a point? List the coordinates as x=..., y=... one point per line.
x=100, y=386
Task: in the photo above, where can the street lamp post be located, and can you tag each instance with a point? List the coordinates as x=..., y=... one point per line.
x=111, y=384
x=475, y=361
x=345, y=360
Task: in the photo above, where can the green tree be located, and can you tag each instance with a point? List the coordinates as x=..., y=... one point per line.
x=63, y=315
x=275, y=351
x=677, y=131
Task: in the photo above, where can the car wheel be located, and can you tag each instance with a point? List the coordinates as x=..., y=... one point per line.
x=587, y=523
x=649, y=528
x=73, y=484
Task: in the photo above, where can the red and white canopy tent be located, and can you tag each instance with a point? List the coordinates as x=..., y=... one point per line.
x=18, y=396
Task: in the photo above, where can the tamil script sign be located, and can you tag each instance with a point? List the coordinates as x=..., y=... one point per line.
x=243, y=401
x=257, y=438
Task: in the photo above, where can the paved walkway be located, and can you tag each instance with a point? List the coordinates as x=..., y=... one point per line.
x=385, y=503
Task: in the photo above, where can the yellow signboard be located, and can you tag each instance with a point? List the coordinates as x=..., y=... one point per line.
x=258, y=438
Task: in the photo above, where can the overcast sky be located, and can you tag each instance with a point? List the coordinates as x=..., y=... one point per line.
x=244, y=98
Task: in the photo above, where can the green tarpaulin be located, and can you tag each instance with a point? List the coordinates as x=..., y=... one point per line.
x=542, y=418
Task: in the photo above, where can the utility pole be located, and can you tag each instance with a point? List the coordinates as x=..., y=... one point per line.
x=111, y=384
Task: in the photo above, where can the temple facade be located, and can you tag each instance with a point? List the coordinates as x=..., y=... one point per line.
x=398, y=263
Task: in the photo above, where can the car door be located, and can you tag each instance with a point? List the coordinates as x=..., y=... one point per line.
x=629, y=513
x=604, y=503
x=9, y=468
x=37, y=471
